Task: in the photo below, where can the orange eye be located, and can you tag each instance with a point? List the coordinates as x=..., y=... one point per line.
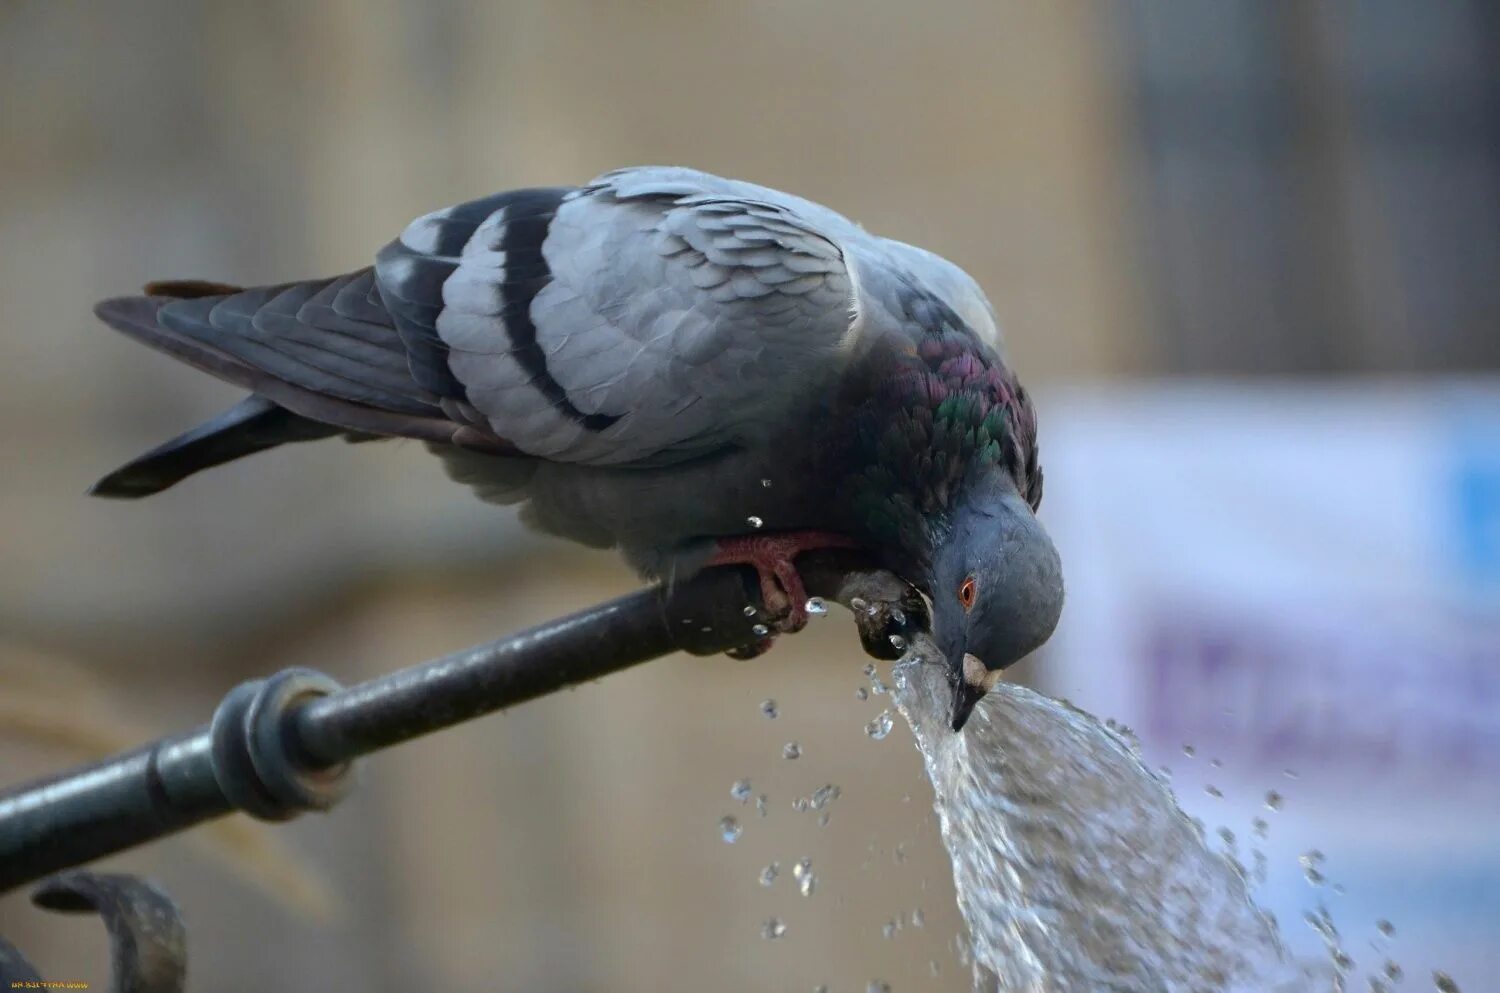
x=967, y=592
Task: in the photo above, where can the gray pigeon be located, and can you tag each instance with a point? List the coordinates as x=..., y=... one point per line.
x=691, y=369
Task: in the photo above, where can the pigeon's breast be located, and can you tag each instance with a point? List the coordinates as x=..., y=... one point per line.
x=655, y=514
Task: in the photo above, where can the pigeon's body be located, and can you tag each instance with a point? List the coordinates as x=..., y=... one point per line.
x=658, y=360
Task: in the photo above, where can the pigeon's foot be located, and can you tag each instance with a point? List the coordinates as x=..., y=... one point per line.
x=773, y=557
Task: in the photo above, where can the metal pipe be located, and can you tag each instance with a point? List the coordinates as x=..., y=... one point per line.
x=282, y=745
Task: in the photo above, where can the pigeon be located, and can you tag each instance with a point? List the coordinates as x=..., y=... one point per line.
x=690, y=369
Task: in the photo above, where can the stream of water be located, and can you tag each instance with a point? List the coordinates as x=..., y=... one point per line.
x=1075, y=870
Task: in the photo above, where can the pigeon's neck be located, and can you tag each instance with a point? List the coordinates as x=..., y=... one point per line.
x=938, y=423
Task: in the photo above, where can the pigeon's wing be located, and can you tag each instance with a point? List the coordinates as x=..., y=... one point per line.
x=325, y=349
x=650, y=316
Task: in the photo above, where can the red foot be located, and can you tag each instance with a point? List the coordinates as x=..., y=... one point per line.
x=773, y=556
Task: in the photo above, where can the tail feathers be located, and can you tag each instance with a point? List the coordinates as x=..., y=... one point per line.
x=252, y=425
x=359, y=382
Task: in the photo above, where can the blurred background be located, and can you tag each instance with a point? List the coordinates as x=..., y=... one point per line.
x=1246, y=254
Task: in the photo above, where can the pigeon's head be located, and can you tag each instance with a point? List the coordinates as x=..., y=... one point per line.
x=995, y=585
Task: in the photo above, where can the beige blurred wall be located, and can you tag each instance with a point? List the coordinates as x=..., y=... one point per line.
x=572, y=844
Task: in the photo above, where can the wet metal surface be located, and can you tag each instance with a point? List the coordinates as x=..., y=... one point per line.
x=282, y=745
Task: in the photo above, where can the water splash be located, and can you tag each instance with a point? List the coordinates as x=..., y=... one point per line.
x=807, y=881
x=1074, y=868
x=824, y=795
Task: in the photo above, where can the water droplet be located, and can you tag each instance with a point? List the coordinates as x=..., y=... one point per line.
x=821, y=988
x=1322, y=922
x=898, y=642
x=769, y=873
x=1216, y=763
x=765, y=484
x=859, y=603
x=807, y=884
x=816, y=606
x=898, y=617
x=861, y=694
x=1189, y=750
x=869, y=669
x=762, y=805
x=1393, y=971
x=933, y=969
x=1213, y=790
x=791, y=750
x=823, y=819
x=899, y=853
x=755, y=522
x=741, y=790
x=1443, y=983
x=768, y=707
x=1386, y=928
x=880, y=726
x=729, y=828
x=878, y=688
x=1273, y=800
x=918, y=918
x=800, y=804
x=889, y=929
x=1288, y=773
x=1226, y=836
x=1311, y=858
x=773, y=929
x=760, y=630
x=1261, y=827
x=878, y=986
x=824, y=795
x=749, y=610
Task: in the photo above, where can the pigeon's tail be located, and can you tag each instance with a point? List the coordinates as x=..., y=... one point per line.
x=252, y=425
x=321, y=358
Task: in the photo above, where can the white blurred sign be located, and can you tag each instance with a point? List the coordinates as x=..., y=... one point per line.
x=1302, y=578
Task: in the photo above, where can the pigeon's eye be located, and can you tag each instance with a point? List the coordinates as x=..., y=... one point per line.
x=967, y=591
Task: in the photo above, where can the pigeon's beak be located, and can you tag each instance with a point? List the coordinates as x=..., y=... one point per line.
x=973, y=682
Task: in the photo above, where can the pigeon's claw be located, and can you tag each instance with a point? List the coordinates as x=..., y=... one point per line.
x=783, y=596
